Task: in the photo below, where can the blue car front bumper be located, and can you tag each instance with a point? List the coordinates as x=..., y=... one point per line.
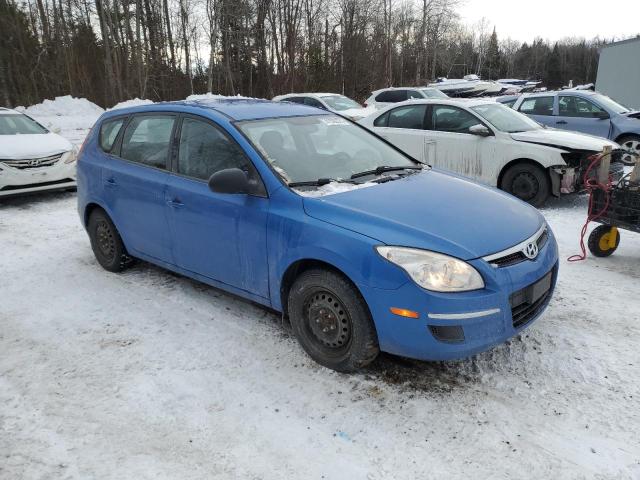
x=457, y=325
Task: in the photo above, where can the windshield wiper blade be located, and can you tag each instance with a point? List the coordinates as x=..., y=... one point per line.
x=384, y=168
x=319, y=182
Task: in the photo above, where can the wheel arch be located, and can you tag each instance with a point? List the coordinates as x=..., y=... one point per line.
x=627, y=134
x=89, y=209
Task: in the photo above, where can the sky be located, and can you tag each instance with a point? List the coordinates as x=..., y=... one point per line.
x=556, y=19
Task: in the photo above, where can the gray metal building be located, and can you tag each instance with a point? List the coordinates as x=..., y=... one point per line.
x=619, y=72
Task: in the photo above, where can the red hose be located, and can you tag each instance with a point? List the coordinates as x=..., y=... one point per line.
x=591, y=184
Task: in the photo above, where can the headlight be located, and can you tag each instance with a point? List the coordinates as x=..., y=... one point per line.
x=434, y=271
x=70, y=156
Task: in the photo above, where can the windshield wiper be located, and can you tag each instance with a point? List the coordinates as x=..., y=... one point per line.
x=383, y=169
x=318, y=183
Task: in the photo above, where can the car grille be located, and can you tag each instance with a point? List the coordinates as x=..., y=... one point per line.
x=33, y=162
x=523, y=307
x=517, y=257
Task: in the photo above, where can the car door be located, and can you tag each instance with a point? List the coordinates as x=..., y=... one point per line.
x=219, y=236
x=541, y=109
x=579, y=114
x=135, y=179
x=404, y=127
x=456, y=149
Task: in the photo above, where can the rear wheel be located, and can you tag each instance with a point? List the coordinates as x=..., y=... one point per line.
x=630, y=143
x=601, y=243
x=106, y=242
x=331, y=321
x=528, y=182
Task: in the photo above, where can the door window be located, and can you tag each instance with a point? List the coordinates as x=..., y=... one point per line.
x=452, y=119
x=408, y=117
x=537, y=106
x=293, y=99
x=392, y=96
x=572, y=106
x=312, y=102
x=205, y=150
x=109, y=132
x=414, y=94
x=147, y=140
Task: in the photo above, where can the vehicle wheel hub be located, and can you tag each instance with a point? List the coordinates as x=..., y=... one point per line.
x=632, y=153
x=327, y=319
x=525, y=186
x=106, y=242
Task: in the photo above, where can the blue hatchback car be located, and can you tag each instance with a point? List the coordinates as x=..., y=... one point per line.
x=587, y=112
x=360, y=246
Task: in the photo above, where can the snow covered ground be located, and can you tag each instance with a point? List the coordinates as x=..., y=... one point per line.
x=147, y=374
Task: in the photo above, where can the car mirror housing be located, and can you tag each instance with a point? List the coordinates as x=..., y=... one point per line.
x=479, y=130
x=229, y=180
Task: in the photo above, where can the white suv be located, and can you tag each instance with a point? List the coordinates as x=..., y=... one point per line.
x=31, y=157
x=388, y=96
x=332, y=102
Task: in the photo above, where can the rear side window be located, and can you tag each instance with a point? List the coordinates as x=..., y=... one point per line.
x=537, y=106
x=147, y=139
x=205, y=150
x=109, y=132
x=293, y=99
x=381, y=121
x=312, y=102
x=392, y=96
x=408, y=117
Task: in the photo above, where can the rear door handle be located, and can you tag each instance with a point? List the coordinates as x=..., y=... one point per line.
x=561, y=122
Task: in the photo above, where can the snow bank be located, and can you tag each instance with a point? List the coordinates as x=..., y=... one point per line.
x=71, y=117
x=131, y=103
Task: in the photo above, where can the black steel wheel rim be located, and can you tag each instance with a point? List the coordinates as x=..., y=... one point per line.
x=105, y=240
x=525, y=186
x=327, y=320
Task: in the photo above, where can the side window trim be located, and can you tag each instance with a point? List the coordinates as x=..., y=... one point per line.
x=176, y=150
x=118, y=147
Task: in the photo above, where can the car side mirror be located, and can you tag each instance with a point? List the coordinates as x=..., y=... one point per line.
x=229, y=180
x=479, y=130
x=602, y=115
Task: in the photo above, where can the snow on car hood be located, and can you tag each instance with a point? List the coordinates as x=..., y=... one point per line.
x=432, y=210
x=357, y=113
x=563, y=139
x=32, y=146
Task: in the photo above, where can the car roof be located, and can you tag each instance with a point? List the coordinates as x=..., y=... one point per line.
x=232, y=107
x=308, y=94
x=375, y=92
x=8, y=111
x=466, y=102
x=586, y=93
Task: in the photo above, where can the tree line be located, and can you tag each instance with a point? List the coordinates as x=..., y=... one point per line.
x=113, y=50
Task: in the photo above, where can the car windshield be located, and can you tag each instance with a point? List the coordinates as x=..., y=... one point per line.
x=433, y=93
x=305, y=149
x=340, y=102
x=610, y=104
x=505, y=119
x=16, y=124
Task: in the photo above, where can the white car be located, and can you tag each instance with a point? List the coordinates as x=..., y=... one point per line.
x=492, y=143
x=333, y=102
x=392, y=95
x=31, y=157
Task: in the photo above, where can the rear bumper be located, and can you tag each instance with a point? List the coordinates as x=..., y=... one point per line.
x=454, y=326
x=14, y=181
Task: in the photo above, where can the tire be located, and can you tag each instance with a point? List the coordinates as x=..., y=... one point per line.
x=599, y=239
x=331, y=321
x=106, y=242
x=528, y=182
x=631, y=143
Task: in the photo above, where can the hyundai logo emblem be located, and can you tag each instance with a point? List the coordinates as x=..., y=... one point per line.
x=34, y=163
x=531, y=250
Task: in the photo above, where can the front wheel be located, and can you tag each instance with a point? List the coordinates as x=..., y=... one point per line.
x=331, y=321
x=602, y=242
x=528, y=182
x=631, y=145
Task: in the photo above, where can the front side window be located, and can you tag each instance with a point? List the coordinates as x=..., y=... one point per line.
x=452, y=119
x=411, y=117
x=537, y=106
x=572, y=106
x=205, y=150
x=305, y=149
x=414, y=94
x=505, y=119
x=109, y=132
x=147, y=139
x=17, y=124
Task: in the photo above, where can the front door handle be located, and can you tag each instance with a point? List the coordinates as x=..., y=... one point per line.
x=561, y=122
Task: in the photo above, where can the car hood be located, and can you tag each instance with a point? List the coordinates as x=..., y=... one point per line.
x=562, y=139
x=19, y=147
x=432, y=210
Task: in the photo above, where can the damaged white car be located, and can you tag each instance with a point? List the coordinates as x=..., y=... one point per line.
x=31, y=157
x=492, y=143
